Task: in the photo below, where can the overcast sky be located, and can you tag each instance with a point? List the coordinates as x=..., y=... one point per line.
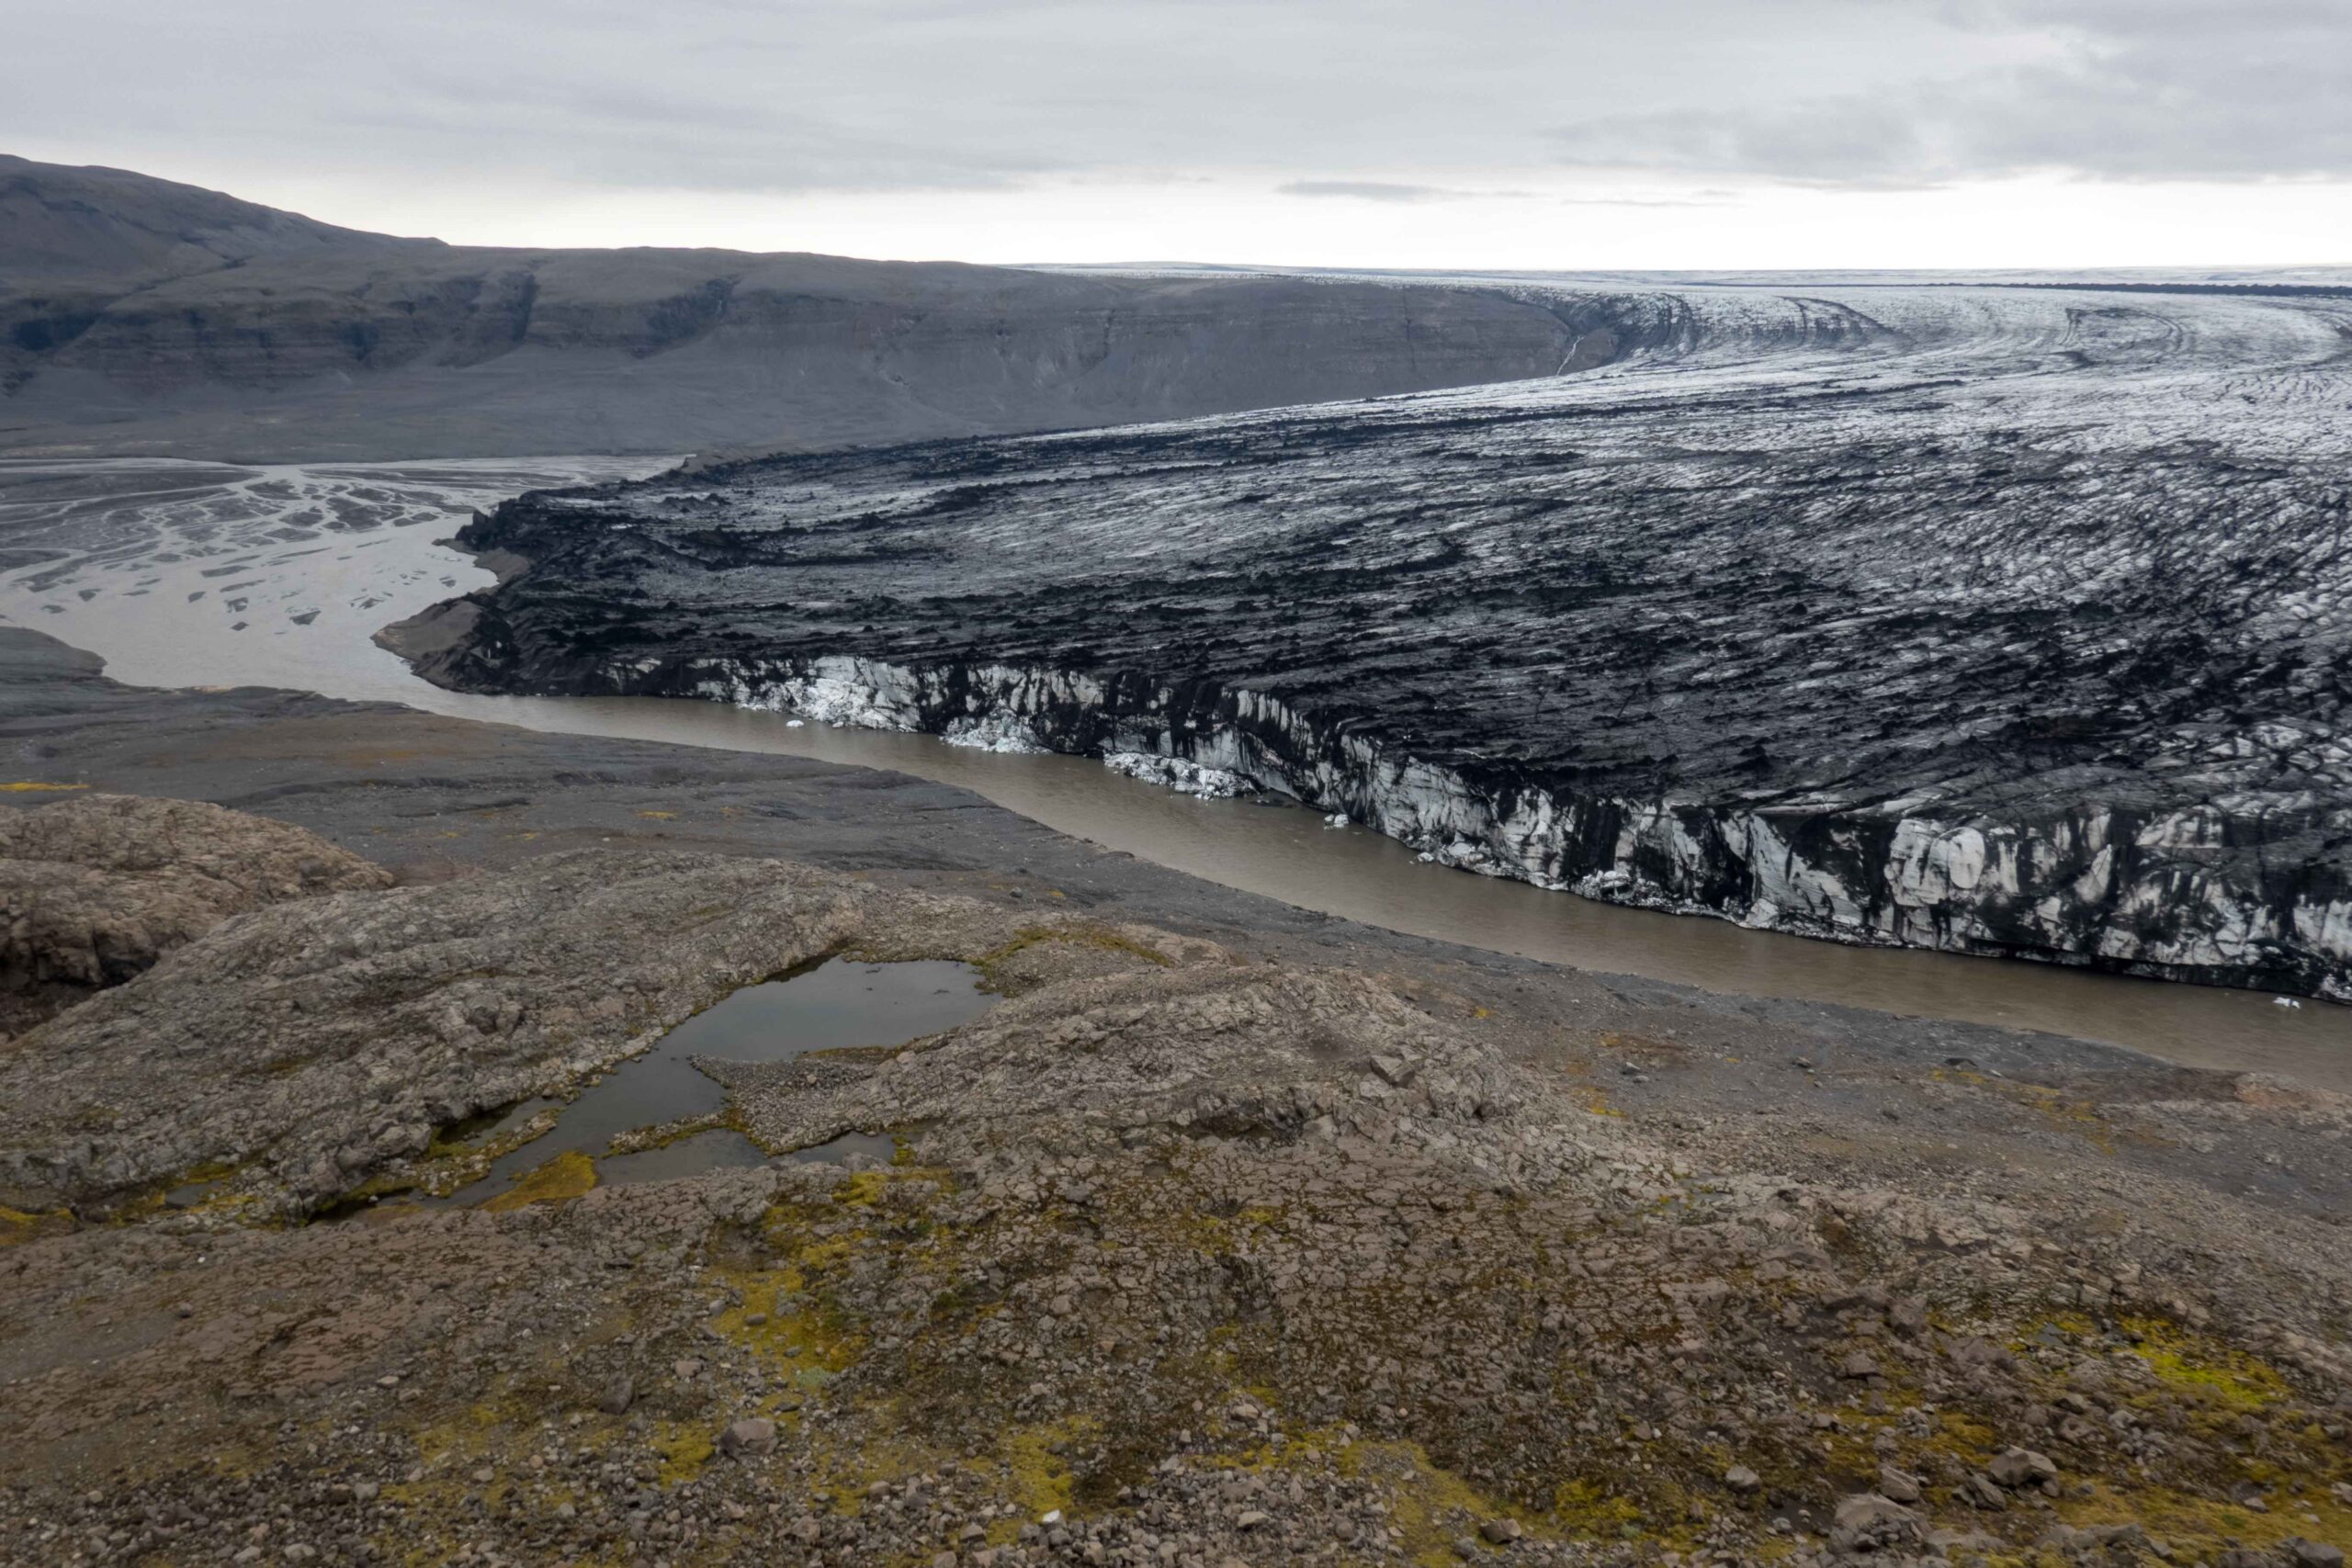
x=1482, y=133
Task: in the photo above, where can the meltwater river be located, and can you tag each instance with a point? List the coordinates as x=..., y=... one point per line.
x=182, y=574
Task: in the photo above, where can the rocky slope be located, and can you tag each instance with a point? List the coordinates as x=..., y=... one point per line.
x=336, y=1035
x=1189, y=1256
x=138, y=316
x=1998, y=621
x=68, y=229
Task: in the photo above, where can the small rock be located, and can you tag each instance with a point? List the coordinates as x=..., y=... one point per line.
x=618, y=1397
x=2315, y=1553
x=2022, y=1467
x=1502, y=1532
x=1893, y=1484
x=753, y=1435
x=1866, y=1521
x=1741, y=1479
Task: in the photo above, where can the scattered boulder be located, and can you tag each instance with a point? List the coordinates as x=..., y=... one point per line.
x=1896, y=1484
x=752, y=1436
x=2016, y=1468
x=1867, y=1522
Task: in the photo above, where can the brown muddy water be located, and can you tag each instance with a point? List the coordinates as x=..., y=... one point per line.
x=186, y=574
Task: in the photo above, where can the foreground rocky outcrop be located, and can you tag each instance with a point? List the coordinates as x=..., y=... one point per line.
x=95, y=888
x=2002, y=622
x=306, y=1047
x=1186, y=1258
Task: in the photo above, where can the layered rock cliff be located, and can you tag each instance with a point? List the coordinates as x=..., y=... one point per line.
x=138, y=316
x=1996, y=622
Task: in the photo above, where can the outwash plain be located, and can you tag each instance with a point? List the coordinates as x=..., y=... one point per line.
x=1224, y=1233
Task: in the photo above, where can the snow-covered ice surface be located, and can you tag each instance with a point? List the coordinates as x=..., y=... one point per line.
x=1994, y=619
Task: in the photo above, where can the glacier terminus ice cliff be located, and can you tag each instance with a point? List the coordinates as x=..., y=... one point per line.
x=1994, y=619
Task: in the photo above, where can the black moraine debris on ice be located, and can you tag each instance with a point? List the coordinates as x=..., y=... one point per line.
x=1995, y=621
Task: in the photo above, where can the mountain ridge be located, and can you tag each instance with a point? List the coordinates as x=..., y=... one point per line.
x=142, y=316
x=79, y=223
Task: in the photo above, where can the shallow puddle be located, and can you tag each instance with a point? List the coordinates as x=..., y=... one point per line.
x=193, y=1194
x=834, y=1005
x=717, y=1148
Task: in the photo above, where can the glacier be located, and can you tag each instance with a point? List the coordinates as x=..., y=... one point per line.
x=1986, y=619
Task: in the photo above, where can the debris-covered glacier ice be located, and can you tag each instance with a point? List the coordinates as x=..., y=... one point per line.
x=1999, y=620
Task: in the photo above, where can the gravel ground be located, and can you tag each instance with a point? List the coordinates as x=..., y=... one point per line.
x=1230, y=1235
